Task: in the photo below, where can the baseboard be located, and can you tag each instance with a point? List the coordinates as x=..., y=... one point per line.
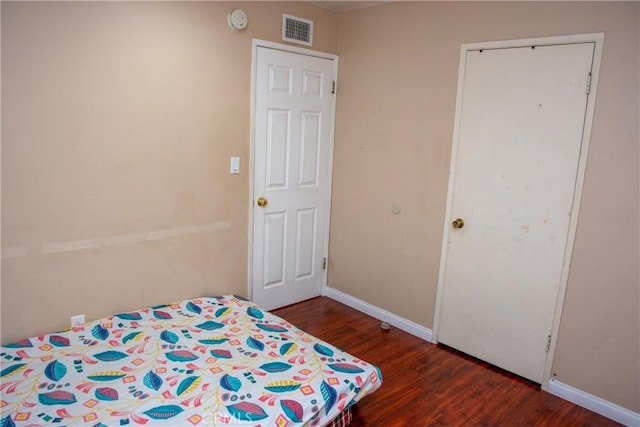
x=379, y=313
x=557, y=388
x=594, y=403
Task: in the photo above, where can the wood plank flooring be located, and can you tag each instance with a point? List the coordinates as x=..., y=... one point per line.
x=431, y=385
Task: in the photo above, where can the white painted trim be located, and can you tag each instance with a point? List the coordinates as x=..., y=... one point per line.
x=292, y=49
x=379, y=313
x=536, y=41
x=447, y=215
x=557, y=388
x=254, y=64
x=252, y=126
x=593, y=403
x=598, y=40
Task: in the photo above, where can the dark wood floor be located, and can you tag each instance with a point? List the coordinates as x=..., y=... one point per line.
x=429, y=385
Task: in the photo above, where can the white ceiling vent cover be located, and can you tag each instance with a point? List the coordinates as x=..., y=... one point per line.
x=297, y=30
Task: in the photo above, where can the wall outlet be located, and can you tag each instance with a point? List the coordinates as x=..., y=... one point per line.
x=77, y=321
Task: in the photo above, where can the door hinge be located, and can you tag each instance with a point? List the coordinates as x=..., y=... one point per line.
x=324, y=263
x=588, y=83
x=546, y=349
x=333, y=87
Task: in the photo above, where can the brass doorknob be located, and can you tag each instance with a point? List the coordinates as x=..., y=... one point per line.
x=262, y=202
x=458, y=223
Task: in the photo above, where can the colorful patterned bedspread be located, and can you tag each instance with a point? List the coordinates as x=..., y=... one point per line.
x=218, y=361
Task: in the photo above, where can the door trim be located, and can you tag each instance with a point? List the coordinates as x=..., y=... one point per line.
x=598, y=39
x=257, y=43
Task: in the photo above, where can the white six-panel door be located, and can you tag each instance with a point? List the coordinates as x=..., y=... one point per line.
x=519, y=134
x=293, y=124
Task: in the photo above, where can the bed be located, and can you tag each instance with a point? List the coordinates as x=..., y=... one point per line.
x=214, y=361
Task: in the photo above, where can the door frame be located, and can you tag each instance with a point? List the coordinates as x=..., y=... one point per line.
x=598, y=39
x=257, y=43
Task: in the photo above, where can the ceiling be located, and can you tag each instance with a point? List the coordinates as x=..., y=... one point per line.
x=346, y=5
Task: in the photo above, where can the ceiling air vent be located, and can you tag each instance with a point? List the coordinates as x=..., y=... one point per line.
x=297, y=30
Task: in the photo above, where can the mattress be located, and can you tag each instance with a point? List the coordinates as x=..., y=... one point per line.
x=215, y=361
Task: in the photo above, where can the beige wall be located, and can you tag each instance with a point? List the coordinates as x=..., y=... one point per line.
x=395, y=112
x=118, y=121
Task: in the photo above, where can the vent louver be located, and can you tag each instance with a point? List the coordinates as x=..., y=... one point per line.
x=297, y=30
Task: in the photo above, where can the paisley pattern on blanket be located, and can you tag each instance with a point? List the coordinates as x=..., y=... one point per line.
x=219, y=361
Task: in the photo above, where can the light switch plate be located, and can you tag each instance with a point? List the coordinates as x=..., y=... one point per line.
x=235, y=166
